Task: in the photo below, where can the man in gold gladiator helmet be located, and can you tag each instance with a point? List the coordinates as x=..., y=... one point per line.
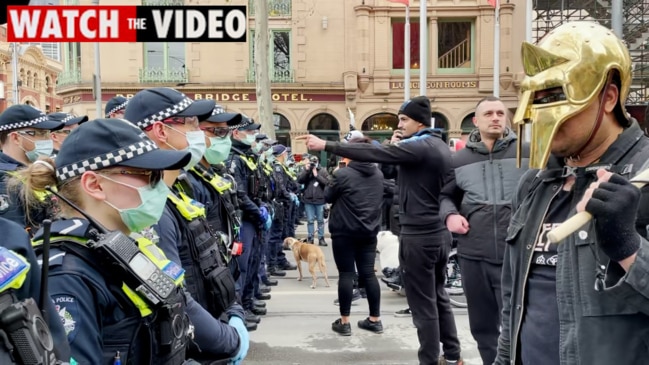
x=584, y=300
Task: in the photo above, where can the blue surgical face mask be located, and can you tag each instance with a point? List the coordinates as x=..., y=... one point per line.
x=256, y=148
x=195, y=145
x=219, y=150
x=248, y=139
x=41, y=148
x=149, y=211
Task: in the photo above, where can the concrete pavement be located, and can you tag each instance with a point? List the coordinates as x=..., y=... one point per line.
x=297, y=328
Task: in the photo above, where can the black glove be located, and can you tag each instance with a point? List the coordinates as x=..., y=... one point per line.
x=614, y=206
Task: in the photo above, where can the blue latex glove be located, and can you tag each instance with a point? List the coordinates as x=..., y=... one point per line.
x=268, y=223
x=244, y=339
x=263, y=213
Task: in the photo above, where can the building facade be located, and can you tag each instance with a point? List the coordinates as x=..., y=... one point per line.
x=326, y=58
x=37, y=75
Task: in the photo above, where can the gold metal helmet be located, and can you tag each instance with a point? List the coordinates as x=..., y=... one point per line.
x=578, y=57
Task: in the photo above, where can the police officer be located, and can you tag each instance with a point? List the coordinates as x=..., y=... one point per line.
x=283, y=200
x=110, y=172
x=24, y=137
x=116, y=106
x=69, y=123
x=21, y=281
x=293, y=188
x=263, y=144
x=170, y=120
x=255, y=216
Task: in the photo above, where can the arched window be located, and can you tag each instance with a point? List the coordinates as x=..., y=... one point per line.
x=467, y=124
x=325, y=126
x=37, y=83
x=30, y=80
x=282, y=129
x=323, y=121
x=380, y=126
x=441, y=122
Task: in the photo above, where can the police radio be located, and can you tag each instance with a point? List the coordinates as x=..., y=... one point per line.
x=139, y=271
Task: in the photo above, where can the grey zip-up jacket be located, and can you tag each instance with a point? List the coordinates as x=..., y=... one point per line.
x=481, y=184
x=596, y=327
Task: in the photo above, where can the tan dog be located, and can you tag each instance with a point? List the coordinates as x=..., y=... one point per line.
x=308, y=253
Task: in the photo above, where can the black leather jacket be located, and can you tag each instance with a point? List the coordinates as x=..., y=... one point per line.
x=596, y=327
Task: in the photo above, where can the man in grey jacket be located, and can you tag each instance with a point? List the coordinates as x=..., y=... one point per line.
x=584, y=300
x=476, y=206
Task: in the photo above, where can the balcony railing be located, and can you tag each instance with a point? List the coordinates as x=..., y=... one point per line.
x=69, y=77
x=276, y=8
x=160, y=74
x=281, y=76
x=457, y=56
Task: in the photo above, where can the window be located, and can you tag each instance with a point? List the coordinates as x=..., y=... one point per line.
x=279, y=56
x=398, y=39
x=455, y=46
x=276, y=8
x=164, y=62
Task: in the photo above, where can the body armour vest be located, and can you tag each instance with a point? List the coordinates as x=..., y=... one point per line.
x=149, y=333
x=201, y=251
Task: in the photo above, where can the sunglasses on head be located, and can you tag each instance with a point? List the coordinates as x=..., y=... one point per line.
x=155, y=176
x=220, y=132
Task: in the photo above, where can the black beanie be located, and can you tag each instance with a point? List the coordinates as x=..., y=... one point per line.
x=417, y=109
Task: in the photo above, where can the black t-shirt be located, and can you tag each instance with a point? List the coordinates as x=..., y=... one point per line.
x=539, y=337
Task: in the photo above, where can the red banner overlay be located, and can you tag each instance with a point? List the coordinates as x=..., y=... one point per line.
x=126, y=24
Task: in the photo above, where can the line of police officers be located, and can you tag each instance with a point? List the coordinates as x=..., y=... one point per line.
x=167, y=225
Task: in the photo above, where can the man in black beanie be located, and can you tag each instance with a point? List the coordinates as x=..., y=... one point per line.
x=423, y=161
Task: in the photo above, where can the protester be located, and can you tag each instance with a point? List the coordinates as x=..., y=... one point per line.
x=315, y=179
x=355, y=194
x=584, y=300
x=424, y=160
x=475, y=204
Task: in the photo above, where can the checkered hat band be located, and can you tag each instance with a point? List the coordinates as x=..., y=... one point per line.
x=245, y=123
x=218, y=110
x=68, y=118
x=117, y=108
x=105, y=160
x=167, y=113
x=20, y=125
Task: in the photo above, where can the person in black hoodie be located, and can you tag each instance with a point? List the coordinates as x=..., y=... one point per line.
x=356, y=193
x=423, y=160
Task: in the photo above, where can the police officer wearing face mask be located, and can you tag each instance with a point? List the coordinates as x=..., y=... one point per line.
x=170, y=119
x=255, y=216
x=283, y=201
x=96, y=279
x=24, y=137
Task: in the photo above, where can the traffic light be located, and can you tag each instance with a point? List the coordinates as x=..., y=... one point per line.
x=3, y=9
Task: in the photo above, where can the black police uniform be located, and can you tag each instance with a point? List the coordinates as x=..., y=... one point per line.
x=15, y=118
x=283, y=202
x=17, y=241
x=213, y=338
x=242, y=165
x=101, y=320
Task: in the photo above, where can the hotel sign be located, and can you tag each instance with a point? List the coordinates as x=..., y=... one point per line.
x=277, y=97
x=437, y=84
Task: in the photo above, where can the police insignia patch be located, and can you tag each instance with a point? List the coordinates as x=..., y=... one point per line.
x=67, y=308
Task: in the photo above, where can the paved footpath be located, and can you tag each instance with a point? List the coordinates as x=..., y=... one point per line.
x=297, y=328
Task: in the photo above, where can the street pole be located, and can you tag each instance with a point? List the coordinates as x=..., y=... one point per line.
x=423, y=46
x=529, y=18
x=14, y=65
x=261, y=67
x=497, y=51
x=617, y=18
x=406, y=57
x=97, y=76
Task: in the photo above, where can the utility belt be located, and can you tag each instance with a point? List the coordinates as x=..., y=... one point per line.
x=203, y=254
x=148, y=286
x=26, y=337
